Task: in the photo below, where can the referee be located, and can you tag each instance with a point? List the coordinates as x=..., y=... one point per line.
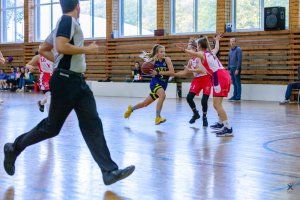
x=69, y=91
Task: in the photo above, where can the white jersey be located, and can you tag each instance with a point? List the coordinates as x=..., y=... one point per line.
x=44, y=65
x=213, y=62
x=195, y=63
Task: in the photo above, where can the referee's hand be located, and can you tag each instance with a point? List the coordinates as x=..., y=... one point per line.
x=93, y=48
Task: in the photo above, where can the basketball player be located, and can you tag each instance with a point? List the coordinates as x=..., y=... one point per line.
x=163, y=69
x=220, y=78
x=46, y=69
x=69, y=91
x=201, y=81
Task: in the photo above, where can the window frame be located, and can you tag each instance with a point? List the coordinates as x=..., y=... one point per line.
x=195, y=20
x=93, y=22
x=140, y=21
x=37, y=20
x=4, y=18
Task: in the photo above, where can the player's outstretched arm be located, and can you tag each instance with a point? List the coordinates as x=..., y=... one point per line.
x=32, y=62
x=46, y=51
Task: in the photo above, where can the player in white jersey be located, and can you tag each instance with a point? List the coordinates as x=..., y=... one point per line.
x=46, y=69
x=201, y=82
x=220, y=78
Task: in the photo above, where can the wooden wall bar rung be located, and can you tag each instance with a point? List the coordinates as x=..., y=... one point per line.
x=268, y=57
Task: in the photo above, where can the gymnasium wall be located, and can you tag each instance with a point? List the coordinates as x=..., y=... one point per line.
x=268, y=57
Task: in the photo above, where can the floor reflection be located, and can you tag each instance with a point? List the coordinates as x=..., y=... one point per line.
x=175, y=160
x=109, y=195
x=9, y=193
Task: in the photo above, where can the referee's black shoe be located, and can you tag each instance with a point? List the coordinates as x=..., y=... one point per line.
x=9, y=158
x=116, y=175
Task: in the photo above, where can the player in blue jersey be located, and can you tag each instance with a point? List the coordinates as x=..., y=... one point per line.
x=163, y=69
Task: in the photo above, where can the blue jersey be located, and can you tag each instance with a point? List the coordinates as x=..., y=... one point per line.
x=161, y=66
x=159, y=81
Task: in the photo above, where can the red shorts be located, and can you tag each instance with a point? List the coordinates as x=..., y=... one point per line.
x=224, y=81
x=201, y=83
x=44, y=81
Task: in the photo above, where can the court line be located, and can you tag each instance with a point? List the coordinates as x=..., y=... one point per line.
x=285, y=187
x=170, y=157
x=266, y=146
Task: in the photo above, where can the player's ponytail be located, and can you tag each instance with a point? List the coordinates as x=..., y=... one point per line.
x=149, y=56
x=154, y=50
x=145, y=56
x=208, y=47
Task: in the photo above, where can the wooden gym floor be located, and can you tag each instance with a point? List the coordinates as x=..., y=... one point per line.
x=174, y=160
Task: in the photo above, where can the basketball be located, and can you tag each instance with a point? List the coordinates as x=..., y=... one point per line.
x=147, y=66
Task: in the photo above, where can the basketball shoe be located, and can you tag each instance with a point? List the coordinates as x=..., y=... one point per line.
x=225, y=132
x=159, y=120
x=128, y=112
x=217, y=126
x=205, y=123
x=194, y=118
x=41, y=107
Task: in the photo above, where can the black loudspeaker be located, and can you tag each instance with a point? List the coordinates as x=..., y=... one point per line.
x=159, y=32
x=274, y=18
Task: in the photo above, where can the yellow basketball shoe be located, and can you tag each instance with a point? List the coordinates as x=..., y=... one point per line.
x=128, y=112
x=159, y=120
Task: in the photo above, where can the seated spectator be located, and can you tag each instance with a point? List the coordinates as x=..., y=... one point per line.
x=20, y=80
x=136, y=72
x=27, y=80
x=289, y=89
x=3, y=78
x=11, y=79
x=20, y=76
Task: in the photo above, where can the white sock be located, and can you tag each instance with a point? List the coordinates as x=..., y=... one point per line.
x=226, y=124
x=220, y=121
x=44, y=100
x=48, y=99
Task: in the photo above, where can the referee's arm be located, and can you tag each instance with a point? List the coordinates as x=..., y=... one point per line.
x=64, y=35
x=64, y=47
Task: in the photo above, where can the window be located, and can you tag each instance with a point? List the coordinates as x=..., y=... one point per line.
x=92, y=17
x=47, y=14
x=138, y=17
x=190, y=16
x=12, y=20
x=249, y=14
